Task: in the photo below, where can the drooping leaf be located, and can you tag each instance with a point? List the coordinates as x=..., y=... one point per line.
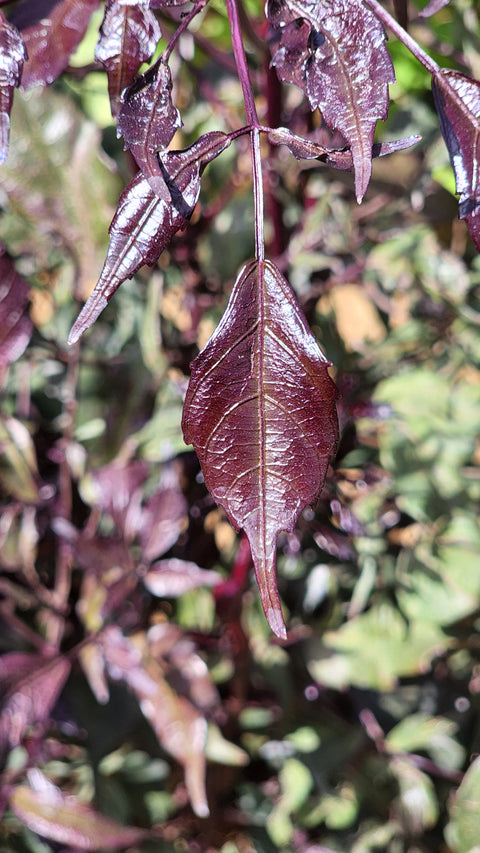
x=260, y=412
x=51, y=30
x=309, y=149
x=12, y=57
x=148, y=120
x=335, y=51
x=457, y=99
x=171, y=578
x=144, y=223
x=128, y=37
x=15, y=324
x=67, y=821
x=32, y=685
x=163, y=518
x=179, y=726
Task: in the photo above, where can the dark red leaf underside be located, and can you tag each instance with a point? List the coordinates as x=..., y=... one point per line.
x=148, y=120
x=128, y=37
x=457, y=99
x=15, y=324
x=309, y=149
x=260, y=413
x=335, y=51
x=68, y=822
x=51, y=32
x=12, y=58
x=144, y=223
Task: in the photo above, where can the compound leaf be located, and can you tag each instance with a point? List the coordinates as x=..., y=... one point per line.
x=128, y=37
x=457, y=99
x=144, y=223
x=260, y=412
x=335, y=51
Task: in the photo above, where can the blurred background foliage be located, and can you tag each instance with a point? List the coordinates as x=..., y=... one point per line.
x=361, y=732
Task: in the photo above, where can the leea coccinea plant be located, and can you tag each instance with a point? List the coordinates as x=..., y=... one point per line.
x=260, y=409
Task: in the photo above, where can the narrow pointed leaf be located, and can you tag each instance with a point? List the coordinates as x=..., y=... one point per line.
x=335, y=51
x=457, y=99
x=309, y=149
x=51, y=32
x=67, y=821
x=144, y=223
x=260, y=412
x=128, y=37
x=148, y=120
x=12, y=57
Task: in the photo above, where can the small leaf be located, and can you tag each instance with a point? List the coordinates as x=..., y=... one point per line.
x=128, y=37
x=171, y=578
x=463, y=831
x=32, y=690
x=309, y=149
x=51, y=32
x=12, y=56
x=335, y=51
x=15, y=324
x=260, y=412
x=163, y=518
x=144, y=224
x=457, y=99
x=67, y=821
x=148, y=120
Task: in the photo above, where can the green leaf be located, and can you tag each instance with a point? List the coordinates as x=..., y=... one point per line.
x=462, y=833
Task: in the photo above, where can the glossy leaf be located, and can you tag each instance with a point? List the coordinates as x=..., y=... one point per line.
x=144, y=223
x=15, y=324
x=33, y=684
x=12, y=58
x=335, y=51
x=457, y=99
x=260, y=412
x=128, y=37
x=51, y=32
x=148, y=120
x=67, y=821
x=309, y=149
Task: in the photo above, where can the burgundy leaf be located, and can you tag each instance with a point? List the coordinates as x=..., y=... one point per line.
x=12, y=57
x=128, y=37
x=67, y=821
x=15, y=324
x=31, y=692
x=171, y=578
x=51, y=30
x=335, y=51
x=164, y=4
x=309, y=149
x=144, y=223
x=148, y=120
x=457, y=99
x=260, y=412
x=163, y=518
x=180, y=728
x=112, y=488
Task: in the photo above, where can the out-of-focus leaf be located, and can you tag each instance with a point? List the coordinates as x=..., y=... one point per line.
x=144, y=223
x=51, y=30
x=335, y=52
x=67, y=821
x=12, y=56
x=163, y=518
x=296, y=783
x=180, y=728
x=435, y=735
x=462, y=833
x=260, y=412
x=148, y=120
x=128, y=37
x=309, y=149
x=112, y=488
x=224, y=751
x=457, y=99
x=31, y=692
x=18, y=462
x=172, y=649
x=171, y=578
x=417, y=801
x=15, y=324
x=433, y=7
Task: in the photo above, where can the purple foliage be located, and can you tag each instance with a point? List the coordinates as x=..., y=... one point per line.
x=15, y=324
x=12, y=57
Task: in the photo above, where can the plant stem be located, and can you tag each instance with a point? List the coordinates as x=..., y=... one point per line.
x=403, y=36
x=252, y=118
x=181, y=28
